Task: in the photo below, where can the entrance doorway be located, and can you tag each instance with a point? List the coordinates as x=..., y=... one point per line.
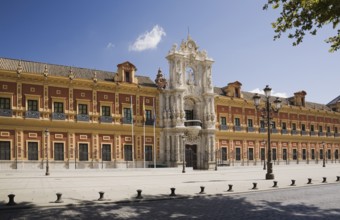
x=191, y=156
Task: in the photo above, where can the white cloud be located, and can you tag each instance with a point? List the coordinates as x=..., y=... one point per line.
x=148, y=40
x=110, y=45
x=273, y=93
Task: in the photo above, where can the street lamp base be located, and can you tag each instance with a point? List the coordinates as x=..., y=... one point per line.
x=183, y=171
x=47, y=174
x=269, y=176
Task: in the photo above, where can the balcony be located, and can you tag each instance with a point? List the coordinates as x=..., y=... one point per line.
x=6, y=112
x=336, y=134
x=193, y=127
x=58, y=116
x=105, y=119
x=32, y=114
x=321, y=134
x=149, y=122
x=127, y=120
x=284, y=131
x=274, y=131
x=294, y=132
x=329, y=134
x=312, y=133
x=81, y=117
x=263, y=130
x=193, y=123
x=251, y=129
x=223, y=127
x=304, y=133
x=238, y=128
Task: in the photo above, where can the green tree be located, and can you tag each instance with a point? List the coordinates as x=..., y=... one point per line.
x=306, y=16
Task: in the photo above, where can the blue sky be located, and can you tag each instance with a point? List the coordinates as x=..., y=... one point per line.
x=236, y=34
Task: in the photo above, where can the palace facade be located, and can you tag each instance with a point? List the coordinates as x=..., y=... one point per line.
x=76, y=118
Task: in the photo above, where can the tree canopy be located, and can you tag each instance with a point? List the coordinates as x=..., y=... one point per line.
x=306, y=16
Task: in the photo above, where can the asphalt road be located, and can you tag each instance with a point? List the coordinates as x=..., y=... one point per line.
x=309, y=202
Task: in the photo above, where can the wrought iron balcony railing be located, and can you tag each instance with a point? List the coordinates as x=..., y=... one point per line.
x=58, y=116
x=32, y=114
x=6, y=112
x=82, y=117
x=106, y=119
x=223, y=127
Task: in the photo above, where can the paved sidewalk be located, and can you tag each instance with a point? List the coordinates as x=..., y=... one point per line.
x=34, y=189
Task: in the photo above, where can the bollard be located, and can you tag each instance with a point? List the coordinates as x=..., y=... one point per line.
x=139, y=194
x=254, y=186
x=309, y=181
x=101, y=196
x=230, y=188
x=275, y=183
x=59, y=198
x=202, y=190
x=172, y=192
x=324, y=180
x=337, y=178
x=11, y=199
x=293, y=183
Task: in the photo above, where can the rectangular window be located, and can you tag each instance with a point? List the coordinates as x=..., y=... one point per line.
x=148, y=115
x=224, y=153
x=223, y=121
x=82, y=109
x=294, y=154
x=58, y=107
x=127, y=115
x=148, y=153
x=189, y=114
x=313, y=154
x=321, y=154
x=303, y=127
x=335, y=130
x=32, y=105
x=128, y=152
x=106, y=111
x=294, y=127
x=274, y=153
x=284, y=154
x=329, y=154
x=250, y=123
x=59, y=151
x=32, y=150
x=106, y=152
x=273, y=125
x=284, y=125
x=262, y=125
x=328, y=129
x=312, y=128
x=250, y=153
x=320, y=128
x=127, y=76
x=263, y=154
x=237, y=122
x=304, y=154
x=5, y=150
x=5, y=103
x=238, y=153
x=83, y=152
x=336, y=154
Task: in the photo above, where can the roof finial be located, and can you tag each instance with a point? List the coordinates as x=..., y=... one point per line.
x=188, y=33
x=19, y=69
x=45, y=73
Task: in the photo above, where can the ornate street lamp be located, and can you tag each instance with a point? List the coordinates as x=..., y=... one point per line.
x=323, y=154
x=267, y=112
x=183, y=139
x=47, y=173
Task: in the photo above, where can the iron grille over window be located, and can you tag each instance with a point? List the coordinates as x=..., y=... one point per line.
x=128, y=152
x=83, y=152
x=5, y=150
x=106, y=152
x=32, y=151
x=148, y=153
x=59, y=151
